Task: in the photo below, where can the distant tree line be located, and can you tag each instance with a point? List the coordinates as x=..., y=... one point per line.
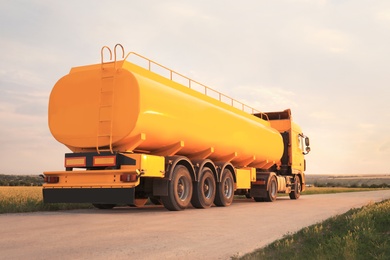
x=20, y=180
x=353, y=185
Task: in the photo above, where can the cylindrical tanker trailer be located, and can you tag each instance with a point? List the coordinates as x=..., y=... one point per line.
x=140, y=135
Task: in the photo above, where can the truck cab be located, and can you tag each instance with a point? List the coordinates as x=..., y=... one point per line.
x=296, y=145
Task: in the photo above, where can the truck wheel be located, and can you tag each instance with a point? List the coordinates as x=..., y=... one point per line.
x=225, y=190
x=272, y=190
x=179, y=190
x=104, y=206
x=259, y=199
x=204, y=190
x=296, y=192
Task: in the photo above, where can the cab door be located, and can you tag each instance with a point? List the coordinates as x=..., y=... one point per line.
x=297, y=150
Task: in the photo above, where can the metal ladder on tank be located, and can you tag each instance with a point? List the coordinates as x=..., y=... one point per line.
x=106, y=102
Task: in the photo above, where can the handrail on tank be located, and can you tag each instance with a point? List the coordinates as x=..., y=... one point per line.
x=206, y=88
x=123, y=53
x=102, y=54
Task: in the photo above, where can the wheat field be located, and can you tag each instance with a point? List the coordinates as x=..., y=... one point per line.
x=28, y=199
x=20, y=199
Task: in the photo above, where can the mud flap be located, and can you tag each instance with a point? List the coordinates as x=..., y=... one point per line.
x=259, y=191
x=160, y=187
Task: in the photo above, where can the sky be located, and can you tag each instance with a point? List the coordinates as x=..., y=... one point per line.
x=326, y=60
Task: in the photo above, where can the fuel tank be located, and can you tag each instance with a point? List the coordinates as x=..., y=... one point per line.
x=122, y=107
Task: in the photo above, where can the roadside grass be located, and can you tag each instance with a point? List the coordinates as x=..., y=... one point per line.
x=362, y=233
x=28, y=199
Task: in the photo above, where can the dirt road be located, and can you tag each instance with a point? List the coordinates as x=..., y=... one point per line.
x=155, y=233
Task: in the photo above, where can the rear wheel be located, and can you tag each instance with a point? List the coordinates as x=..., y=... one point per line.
x=179, y=189
x=225, y=189
x=272, y=190
x=103, y=206
x=204, y=190
x=297, y=188
x=259, y=199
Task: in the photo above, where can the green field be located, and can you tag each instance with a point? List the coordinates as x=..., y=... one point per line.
x=358, y=234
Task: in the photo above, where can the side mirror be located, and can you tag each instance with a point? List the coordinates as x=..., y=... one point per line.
x=307, y=141
x=307, y=150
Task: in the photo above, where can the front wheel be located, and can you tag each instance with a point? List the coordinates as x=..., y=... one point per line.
x=225, y=190
x=179, y=190
x=297, y=188
x=272, y=191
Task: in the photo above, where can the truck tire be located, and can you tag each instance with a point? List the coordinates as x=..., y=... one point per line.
x=225, y=190
x=204, y=190
x=296, y=192
x=272, y=191
x=103, y=206
x=259, y=199
x=179, y=190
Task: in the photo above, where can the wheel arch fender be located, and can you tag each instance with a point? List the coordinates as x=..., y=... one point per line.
x=267, y=176
x=222, y=166
x=302, y=180
x=172, y=161
x=199, y=165
x=160, y=185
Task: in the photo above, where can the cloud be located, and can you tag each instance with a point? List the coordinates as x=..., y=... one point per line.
x=316, y=2
x=21, y=76
x=264, y=98
x=330, y=40
x=385, y=146
x=322, y=115
x=383, y=15
x=327, y=60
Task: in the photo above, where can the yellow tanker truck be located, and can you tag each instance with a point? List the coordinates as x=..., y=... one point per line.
x=136, y=134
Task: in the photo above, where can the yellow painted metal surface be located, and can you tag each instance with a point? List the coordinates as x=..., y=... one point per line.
x=244, y=177
x=90, y=179
x=147, y=165
x=297, y=149
x=123, y=107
